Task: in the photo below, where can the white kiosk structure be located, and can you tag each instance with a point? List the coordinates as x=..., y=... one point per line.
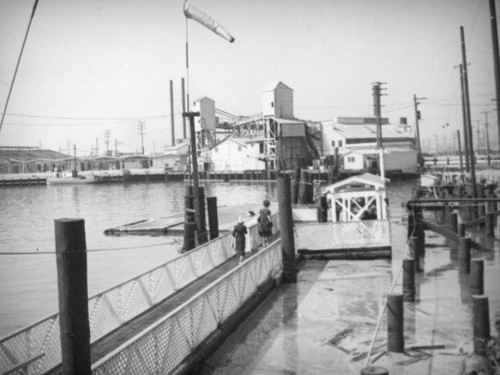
x=358, y=221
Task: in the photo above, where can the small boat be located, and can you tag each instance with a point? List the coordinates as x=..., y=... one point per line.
x=71, y=180
x=356, y=225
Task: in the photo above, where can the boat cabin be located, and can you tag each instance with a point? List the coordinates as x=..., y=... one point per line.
x=358, y=221
x=357, y=198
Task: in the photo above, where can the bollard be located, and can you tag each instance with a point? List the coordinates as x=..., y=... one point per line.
x=322, y=209
x=213, y=218
x=395, y=323
x=203, y=235
x=461, y=230
x=286, y=227
x=71, y=261
x=464, y=255
x=477, y=276
x=481, y=323
x=490, y=224
x=414, y=253
x=453, y=221
x=409, y=280
x=189, y=221
x=374, y=370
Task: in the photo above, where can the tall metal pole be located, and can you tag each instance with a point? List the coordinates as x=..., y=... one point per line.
x=376, y=110
x=464, y=120
x=196, y=188
x=417, y=117
x=496, y=60
x=184, y=133
x=486, y=125
x=467, y=106
x=460, y=156
x=172, y=122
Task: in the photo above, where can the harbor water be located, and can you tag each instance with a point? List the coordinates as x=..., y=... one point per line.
x=28, y=276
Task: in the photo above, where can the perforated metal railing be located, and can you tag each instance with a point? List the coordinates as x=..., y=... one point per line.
x=162, y=347
x=342, y=235
x=114, y=307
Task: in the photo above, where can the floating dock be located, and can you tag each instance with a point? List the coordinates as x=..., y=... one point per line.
x=174, y=224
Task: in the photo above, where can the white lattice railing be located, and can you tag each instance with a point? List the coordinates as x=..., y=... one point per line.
x=342, y=235
x=162, y=347
x=112, y=308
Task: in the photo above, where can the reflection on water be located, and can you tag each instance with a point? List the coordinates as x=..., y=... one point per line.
x=28, y=290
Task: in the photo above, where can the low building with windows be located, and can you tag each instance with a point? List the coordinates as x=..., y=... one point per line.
x=236, y=154
x=348, y=133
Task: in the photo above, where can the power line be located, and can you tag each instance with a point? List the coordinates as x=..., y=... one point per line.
x=17, y=64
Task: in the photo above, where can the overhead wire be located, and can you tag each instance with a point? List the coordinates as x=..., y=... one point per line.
x=18, y=63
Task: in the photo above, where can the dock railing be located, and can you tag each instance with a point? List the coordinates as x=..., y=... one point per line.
x=164, y=346
x=114, y=307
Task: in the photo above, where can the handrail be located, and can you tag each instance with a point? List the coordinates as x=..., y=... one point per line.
x=184, y=328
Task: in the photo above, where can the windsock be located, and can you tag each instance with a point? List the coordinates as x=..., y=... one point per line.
x=194, y=13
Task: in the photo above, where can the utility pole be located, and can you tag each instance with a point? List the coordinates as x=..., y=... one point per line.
x=172, y=111
x=478, y=131
x=496, y=60
x=467, y=106
x=464, y=119
x=141, y=126
x=97, y=146
x=486, y=131
x=377, y=112
x=107, y=136
x=417, y=128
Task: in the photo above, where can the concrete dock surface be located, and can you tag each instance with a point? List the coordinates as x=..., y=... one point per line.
x=326, y=322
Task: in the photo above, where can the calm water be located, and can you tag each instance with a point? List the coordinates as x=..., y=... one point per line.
x=28, y=283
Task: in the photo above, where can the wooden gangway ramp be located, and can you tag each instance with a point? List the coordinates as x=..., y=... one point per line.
x=128, y=330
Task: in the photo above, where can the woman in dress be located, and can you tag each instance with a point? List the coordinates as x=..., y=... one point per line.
x=239, y=240
x=265, y=223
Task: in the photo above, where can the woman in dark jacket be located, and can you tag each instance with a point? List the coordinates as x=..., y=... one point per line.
x=239, y=240
x=265, y=223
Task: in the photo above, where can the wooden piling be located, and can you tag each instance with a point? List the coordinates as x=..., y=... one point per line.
x=395, y=323
x=481, y=323
x=295, y=185
x=71, y=261
x=490, y=224
x=461, y=230
x=477, y=276
x=286, y=227
x=415, y=253
x=213, y=217
x=464, y=254
x=409, y=280
x=189, y=221
x=202, y=235
x=322, y=210
x=453, y=221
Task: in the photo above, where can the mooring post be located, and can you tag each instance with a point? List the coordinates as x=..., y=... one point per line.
x=490, y=224
x=464, y=254
x=395, y=323
x=286, y=228
x=322, y=209
x=374, y=370
x=481, y=323
x=461, y=230
x=189, y=221
x=453, y=221
x=71, y=259
x=409, y=280
x=213, y=218
x=477, y=276
x=415, y=253
x=203, y=235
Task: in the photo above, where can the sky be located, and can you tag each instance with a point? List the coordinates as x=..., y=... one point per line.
x=99, y=67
